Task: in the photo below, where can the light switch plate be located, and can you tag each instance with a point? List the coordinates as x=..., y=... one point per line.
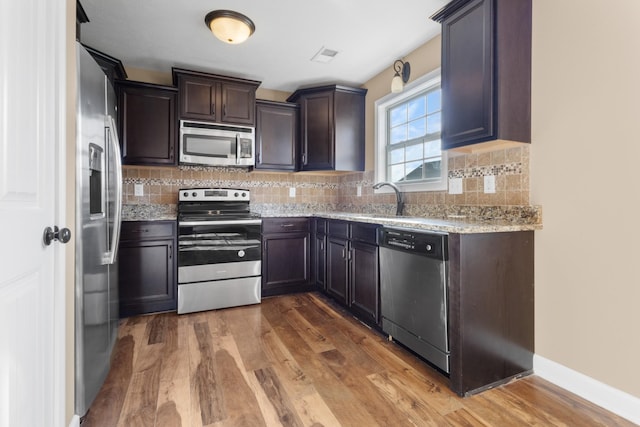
x=489, y=183
x=292, y=191
x=138, y=189
x=455, y=185
x=359, y=190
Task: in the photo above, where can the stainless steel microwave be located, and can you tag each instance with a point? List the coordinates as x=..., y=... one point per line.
x=216, y=144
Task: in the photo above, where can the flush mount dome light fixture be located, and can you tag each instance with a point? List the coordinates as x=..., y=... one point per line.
x=229, y=26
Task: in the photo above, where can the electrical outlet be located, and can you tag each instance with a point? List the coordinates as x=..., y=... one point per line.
x=455, y=185
x=489, y=183
x=292, y=191
x=359, y=190
x=138, y=189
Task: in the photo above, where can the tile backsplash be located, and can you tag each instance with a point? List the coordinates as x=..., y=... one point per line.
x=270, y=191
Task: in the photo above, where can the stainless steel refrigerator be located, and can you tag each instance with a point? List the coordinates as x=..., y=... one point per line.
x=98, y=217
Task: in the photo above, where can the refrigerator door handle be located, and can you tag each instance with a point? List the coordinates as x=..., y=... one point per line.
x=117, y=159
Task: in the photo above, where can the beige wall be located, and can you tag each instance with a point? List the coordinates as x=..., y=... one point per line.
x=584, y=163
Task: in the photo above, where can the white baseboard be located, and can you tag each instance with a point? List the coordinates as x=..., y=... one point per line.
x=611, y=399
x=75, y=421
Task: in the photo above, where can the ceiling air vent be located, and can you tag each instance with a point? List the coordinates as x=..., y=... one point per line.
x=324, y=55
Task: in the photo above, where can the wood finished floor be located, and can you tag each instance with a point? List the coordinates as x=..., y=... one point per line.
x=299, y=360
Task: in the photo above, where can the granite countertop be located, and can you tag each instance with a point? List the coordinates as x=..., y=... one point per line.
x=449, y=223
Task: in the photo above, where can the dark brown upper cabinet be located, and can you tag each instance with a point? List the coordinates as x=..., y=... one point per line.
x=276, y=135
x=213, y=98
x=147, y=119
x=486, y=74
x=331, y=127
x=111, y=66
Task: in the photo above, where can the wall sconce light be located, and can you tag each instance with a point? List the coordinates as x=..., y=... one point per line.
x=403, y=71
x=229, y=26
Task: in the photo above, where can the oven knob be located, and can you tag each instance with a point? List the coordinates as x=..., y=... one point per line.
x=194, y=194
x=185, y=194
x=236, y=194
x=244, y=194
x=241, y=254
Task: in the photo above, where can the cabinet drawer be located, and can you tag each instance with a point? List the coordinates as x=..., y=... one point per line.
x=284, y=225
x=364, y=233
x=337, y=228
x=140, y=230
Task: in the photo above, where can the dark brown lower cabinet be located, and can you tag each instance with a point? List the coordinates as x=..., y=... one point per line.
x=365, y=288
x=147, y=267
x=491, y=290
x=352, y=275
x=286, y=255
x=337, y=268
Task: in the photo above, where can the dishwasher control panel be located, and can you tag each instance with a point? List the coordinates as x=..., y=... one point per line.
x=421, y=243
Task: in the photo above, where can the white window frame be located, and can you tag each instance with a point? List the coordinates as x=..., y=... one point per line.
x=421, y=84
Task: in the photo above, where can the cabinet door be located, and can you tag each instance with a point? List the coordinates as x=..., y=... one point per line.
x=147, y=124
x=285, y=261
x=364, y=280
x=146, y=276
x=197, y=98
x=337, y=268
x=238, y=103
x=467, y=75
x=320, y=260
x=316, y=115
x=276, y=136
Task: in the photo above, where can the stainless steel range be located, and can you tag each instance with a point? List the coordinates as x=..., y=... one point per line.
x=219, y=258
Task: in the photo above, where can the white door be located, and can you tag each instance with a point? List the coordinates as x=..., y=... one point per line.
x=32, y=136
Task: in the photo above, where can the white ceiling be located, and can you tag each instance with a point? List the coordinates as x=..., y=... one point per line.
x=159, y=34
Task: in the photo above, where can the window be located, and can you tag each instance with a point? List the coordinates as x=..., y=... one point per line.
x=408, y=137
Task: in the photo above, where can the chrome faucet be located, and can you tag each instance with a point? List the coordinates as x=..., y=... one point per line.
x=400, y=203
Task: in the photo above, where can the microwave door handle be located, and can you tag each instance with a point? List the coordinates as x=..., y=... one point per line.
x=237, y=149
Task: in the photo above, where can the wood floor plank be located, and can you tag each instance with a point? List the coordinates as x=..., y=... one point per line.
x=141, y=399
x=174, y=404
x=290, y=373
x=241, y=405
x=335, y=394
x=262, y=365
x=567, y=407
x=384, y=411
x=318, y=341
x=108, y=404
x=246, y=327
x=417, y=411
x=278, y=397
x=207, y=401
x=463, y=418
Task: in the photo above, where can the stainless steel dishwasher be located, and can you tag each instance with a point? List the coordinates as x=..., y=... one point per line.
x=414, y=282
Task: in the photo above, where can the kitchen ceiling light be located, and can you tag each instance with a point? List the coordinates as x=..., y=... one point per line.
x=403, y=71
x=229, y=26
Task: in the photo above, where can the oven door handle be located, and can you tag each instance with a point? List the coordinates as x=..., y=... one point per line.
x=227, y=222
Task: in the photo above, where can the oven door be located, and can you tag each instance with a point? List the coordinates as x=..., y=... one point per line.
x=214, y=250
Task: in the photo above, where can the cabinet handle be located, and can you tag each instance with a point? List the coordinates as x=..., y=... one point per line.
x=286, y=225
x=349, y=254
x=213, y=109
x=224, y=110
x=170, y=251
x=142, y=230
x=344, y=255
x=304, y=158
x=322, y=246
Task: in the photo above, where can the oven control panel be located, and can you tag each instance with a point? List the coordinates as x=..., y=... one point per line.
x=213, y=194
